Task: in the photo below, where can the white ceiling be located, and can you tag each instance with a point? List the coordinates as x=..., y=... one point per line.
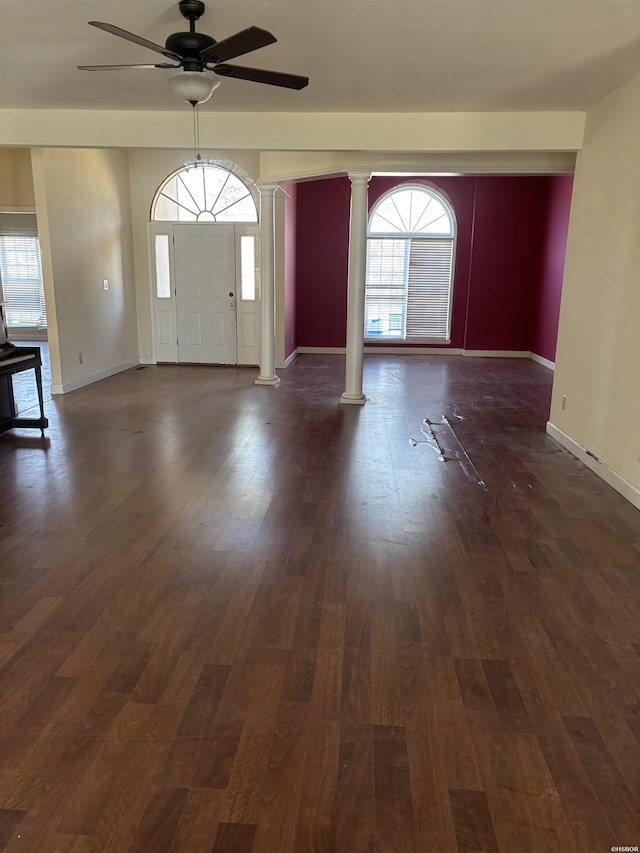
x=361, y=55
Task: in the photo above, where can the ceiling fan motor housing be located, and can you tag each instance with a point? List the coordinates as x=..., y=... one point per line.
x=188, y=46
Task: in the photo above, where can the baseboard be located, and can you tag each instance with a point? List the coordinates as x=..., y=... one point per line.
x=322, y=350
x=622, y=486
x=147, y=359
x=94, y=377
x=288, y=360
x=468, y=353
x=391, y=350
x=496, y=353
x=543, y=361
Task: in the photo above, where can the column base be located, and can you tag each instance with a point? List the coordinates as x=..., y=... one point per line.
x=353, y=399
x=274, y=381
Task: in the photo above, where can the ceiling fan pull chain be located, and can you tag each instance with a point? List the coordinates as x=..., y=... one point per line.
x=196, y=133
x=197, y=109
x=194, y=106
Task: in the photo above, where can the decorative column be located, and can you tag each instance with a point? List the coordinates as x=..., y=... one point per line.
x=267, y=287
x=355, y=288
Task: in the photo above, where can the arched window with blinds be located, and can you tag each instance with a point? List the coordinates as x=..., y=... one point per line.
x=410, y=258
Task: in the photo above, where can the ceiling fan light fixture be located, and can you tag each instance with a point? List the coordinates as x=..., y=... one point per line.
x=195, y=87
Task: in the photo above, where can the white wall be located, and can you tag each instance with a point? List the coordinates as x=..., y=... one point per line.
x=84, y=214
x=598, y=356
x=16, y=180
x=147, y=170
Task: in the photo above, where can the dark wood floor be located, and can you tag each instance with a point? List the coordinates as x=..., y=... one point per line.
x=249, y=619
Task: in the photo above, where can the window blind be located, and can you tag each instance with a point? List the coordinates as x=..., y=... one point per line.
x=429, y=288
x=408, y=288
x=386, y=287
x=21, y=277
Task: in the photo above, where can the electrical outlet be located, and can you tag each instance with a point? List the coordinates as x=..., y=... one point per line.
x=105, y=284
x=79, y=358
x=564, y=401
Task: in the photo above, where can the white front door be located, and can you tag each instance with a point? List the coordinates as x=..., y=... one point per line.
x=206, y=299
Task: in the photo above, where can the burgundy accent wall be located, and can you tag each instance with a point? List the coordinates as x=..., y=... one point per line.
x=290, y=265
x=545, y=332
x=509, y=233
x=323, y=256
x=506, y=265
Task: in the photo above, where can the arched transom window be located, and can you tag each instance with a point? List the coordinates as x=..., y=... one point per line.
x=410, y=252
x=204, y=193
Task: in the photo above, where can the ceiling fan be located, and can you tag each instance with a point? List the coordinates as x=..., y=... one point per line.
x=198, y=54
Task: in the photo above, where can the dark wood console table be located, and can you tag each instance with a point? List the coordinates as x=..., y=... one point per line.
x=19, y=359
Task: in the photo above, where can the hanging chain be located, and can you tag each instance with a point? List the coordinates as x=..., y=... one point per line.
x=196, y=134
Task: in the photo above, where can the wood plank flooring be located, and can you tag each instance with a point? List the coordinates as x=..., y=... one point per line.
x=237, y=619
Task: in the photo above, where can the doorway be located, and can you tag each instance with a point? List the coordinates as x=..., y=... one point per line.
x=205, y=298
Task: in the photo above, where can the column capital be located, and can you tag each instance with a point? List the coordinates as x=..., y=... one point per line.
x=359, y=177
x=266, y=188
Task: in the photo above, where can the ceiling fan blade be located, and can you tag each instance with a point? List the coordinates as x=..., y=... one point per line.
x=123, y=67
x=125, y=34
x=243, y=42
x=261, y=75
